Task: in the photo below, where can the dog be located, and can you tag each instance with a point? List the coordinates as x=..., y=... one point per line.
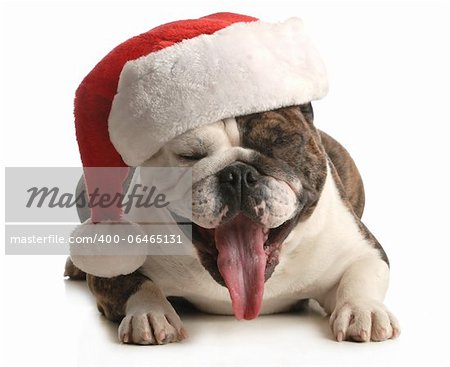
x=276, y=219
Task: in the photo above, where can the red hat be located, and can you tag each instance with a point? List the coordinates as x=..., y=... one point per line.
x=175, y=77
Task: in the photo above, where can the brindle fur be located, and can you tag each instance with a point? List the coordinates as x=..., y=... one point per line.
x=73, y=272
x=113, y=293
x=351, y=186
x=288, y=136
x=292, y=139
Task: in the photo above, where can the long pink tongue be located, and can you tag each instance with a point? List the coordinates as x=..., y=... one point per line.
x=242, y=263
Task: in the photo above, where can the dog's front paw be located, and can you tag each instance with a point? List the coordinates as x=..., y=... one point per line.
x=363, y=320
x=151, y=328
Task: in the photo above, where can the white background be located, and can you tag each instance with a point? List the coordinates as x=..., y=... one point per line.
x=388, y=104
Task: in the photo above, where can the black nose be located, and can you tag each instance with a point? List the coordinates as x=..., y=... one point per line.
x=239, y=176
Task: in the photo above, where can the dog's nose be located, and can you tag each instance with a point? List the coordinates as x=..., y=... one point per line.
x=239, y=175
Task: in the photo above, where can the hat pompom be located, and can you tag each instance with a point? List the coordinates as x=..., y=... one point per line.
x=93, y=244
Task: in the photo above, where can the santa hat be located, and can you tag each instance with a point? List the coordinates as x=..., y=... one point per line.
x=173, y=78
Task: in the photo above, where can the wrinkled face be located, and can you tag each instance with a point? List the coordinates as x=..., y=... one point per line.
x=254, y=178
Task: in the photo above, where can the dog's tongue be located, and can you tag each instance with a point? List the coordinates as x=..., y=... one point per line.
x=242, y=263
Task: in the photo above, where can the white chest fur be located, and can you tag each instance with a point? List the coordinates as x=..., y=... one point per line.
x=312, y=261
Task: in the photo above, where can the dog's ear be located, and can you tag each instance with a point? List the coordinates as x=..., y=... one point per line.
x=307, y=112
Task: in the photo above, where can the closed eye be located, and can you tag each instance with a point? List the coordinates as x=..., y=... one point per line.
x=191, y=157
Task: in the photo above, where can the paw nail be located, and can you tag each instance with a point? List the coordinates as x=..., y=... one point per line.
x=146, y=336
x=183, y=333
x=395, y=333
x=125, y=338
x=162, y=335
x=363, y=335
x=340, y=336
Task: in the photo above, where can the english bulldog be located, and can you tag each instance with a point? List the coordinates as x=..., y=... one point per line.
x=276, y=219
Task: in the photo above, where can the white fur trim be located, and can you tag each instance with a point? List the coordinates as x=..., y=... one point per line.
x=93, y=258
x=242, y=69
